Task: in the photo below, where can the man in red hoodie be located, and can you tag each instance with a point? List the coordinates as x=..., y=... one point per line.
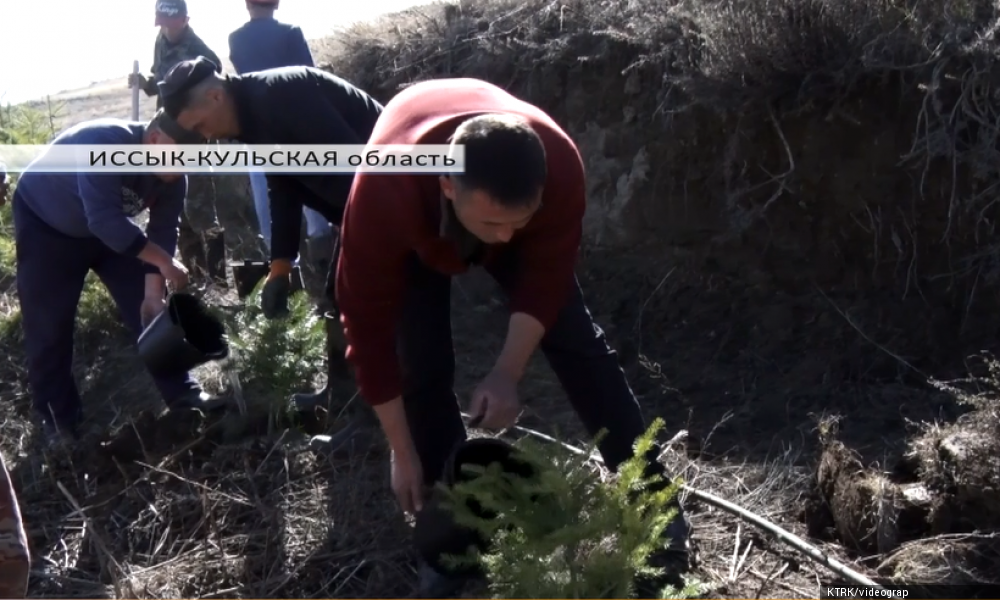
x=517, y=210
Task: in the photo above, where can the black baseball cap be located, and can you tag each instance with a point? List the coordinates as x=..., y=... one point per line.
x=180, y=79
x=170, y=127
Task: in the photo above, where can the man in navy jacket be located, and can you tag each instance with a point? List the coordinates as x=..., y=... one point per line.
x=265, y=43
x=67, y=224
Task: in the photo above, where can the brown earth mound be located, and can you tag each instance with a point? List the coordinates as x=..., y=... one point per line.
x=869, y=512
x=934, y=518
x=960, y=461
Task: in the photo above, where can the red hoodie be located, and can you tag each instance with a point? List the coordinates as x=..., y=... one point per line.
x=390, y=216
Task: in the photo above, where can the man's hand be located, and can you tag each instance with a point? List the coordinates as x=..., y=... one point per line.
x=274, y=296
x=137, y=80
x=408, y=481
x=175, y=273
x=407, y=470
x=151, y=308
x=494, y=402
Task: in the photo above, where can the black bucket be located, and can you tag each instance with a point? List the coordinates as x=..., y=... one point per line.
x=436, y=534
x=182, y=337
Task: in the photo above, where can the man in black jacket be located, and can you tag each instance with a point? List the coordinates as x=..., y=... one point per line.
x=289, y=106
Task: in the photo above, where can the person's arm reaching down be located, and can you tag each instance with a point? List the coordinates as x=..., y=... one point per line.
x=546, y=262
x=102, y=204
x=165, y=217
x=285, y=203
x=162, y=230
x=286, y=221
x=376, y=239
x=371, y=278
x=315, y=121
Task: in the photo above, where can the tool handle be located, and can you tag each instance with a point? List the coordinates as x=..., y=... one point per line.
x=135, y=91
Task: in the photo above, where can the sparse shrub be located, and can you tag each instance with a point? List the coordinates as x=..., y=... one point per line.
x=587, y=538
x=28, y=124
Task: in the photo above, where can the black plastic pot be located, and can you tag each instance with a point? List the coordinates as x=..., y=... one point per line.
x=182, y=337
x=436, y=534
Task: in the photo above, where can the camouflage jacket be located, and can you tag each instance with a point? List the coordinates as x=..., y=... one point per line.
x=167, y=54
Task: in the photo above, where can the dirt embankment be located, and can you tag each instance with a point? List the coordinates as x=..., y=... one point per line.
x=785, y=149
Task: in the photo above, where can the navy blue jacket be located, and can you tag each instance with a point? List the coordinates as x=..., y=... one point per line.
x=266, y=44
x=103, y=205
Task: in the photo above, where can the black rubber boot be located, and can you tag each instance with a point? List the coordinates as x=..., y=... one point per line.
x=675, y=559
x=308, y=401
x=432, y=584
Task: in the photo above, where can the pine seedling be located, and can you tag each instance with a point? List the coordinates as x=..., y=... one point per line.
x=566, y=533
x=279, y=355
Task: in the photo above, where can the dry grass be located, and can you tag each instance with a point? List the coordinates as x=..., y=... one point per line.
x=952, y=559
x=178, y=508
x=261, y=519
x=167, y=506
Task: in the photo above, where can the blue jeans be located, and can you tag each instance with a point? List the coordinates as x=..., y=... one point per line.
x=316, y=224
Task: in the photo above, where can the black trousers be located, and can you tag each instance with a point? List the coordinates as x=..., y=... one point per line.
x=574, y=346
